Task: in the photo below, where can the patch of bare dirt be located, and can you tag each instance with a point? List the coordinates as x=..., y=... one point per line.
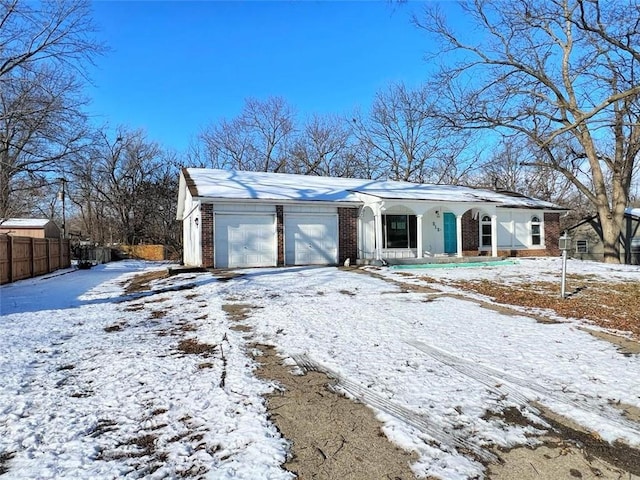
x=614, y=305
x=568, y=451
x=629, y=411
x=191, y=346
x=116, y=327
x=226, y=275
x=405, y=287
x=134, y=307
x=625, y=345
x=140, y=283
x=237, y=311
x=332, y=437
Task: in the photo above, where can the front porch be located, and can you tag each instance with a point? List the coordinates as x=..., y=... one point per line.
x=413, y=231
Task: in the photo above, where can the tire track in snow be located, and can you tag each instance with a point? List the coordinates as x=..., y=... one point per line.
x=502, y=382
x=421, y=422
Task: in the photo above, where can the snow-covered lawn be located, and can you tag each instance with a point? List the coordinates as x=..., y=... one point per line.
x=97, y=384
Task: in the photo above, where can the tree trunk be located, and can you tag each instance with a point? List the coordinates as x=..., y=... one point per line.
x=610, y=237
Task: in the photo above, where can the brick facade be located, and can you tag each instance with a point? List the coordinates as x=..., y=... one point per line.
x=471, y=239
x=347, y=235
x=206, y=232
x=280, y=233
x=470, y=234
x=552, y=233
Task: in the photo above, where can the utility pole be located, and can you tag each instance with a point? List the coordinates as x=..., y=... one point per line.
x=61, y=196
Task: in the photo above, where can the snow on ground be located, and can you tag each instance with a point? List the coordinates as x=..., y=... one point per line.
x=536, y=269
x=79, y=402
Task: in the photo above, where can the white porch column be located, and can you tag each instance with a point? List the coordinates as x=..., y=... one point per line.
x=459, y=234
x=360, y=253
x=377, y=217
x=419, y=236
x=494, y=235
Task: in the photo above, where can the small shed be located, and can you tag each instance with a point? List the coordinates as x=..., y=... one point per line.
x=30, y=227
x=588, y=246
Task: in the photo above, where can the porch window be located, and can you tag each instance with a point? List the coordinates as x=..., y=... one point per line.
x=399, y=231
x=536, y=237
x=485, y=231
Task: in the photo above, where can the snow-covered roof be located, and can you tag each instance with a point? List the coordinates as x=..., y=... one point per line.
x=24, y=223
x=243, y=185
x=634, y=212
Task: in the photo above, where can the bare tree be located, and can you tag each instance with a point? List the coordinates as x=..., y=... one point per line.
x=561, y=73
x=258, y=139
x=123, y=189
x=397, y=129
x=408, y=142
x=322, y=147
x=41, y=125
x=44, y=47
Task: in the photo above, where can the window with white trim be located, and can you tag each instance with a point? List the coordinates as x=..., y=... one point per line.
x=485, y=231
x=536, y=231
x=399, y=231
x=582, y=246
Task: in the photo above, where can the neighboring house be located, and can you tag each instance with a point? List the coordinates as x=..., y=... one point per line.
x=30, y=227
x=254, y=219
x=587, y=243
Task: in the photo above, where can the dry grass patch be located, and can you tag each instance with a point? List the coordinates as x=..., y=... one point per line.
x=191, y=346
x=116, y=327
x=140, y=283
x=607, y=304
x=134, y=308
x=237, y=311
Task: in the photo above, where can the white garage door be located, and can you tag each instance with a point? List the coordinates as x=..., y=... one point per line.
x=311, y=239
x=244, y=241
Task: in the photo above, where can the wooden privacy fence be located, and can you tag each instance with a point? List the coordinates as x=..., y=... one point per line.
x=26, y=257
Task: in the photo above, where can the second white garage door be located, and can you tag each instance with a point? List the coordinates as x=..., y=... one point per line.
x=311, y=239
x=244, y=241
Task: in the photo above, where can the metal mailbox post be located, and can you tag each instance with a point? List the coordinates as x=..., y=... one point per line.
x=564, y=243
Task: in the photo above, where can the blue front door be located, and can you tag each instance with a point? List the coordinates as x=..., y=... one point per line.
x=450, y=233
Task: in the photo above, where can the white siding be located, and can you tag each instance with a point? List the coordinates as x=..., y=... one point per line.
x=433, y=230
x=506, y=228
x=191, y=239
x=309, y=209
x=243, y=208
x=514, y=228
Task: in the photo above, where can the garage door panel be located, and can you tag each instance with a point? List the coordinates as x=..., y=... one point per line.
x=311, y=239
x=244, y=241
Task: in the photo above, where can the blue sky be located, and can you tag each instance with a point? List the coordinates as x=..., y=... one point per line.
x=175, y=67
